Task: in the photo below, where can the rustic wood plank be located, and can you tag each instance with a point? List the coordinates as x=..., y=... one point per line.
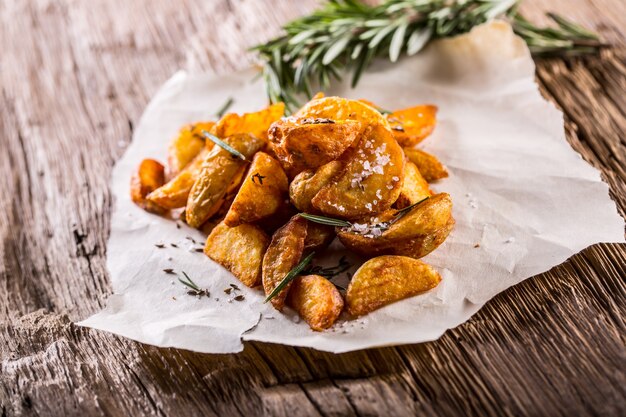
x=75, y=77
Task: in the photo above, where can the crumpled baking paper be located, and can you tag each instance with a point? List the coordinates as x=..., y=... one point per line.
x=524, y=201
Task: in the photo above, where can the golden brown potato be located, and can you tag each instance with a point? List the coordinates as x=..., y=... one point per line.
x=175, y=192
x=318, y=237
x=371, y=180
x=282, y=255
x=308, y=183
x=256, y=123
x=414, y=188
x=219, y=169
x=186, y=146
x=337, y=108
x=277, y=220
x=415, y=234
x=413, y=125
x=307, y=143
x=427, y=164
x=149, y=176
x=387, y=279
x=261, y=193
x=239, y=249
x=316, y=300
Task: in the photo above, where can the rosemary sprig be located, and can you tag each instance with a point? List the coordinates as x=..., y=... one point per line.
x=224, y=107
x=346, y=35
x=223, y=145
x=329, y=221
x=291, y=275
x=195, y=290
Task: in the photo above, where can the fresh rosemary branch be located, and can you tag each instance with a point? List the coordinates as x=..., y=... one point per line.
x=346, y=35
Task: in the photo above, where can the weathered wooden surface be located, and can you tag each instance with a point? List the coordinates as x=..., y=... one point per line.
x=75, y=76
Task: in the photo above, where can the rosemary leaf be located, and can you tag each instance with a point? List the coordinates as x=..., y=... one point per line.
x=189, y=283
x=402, y=212
x=329, y=221
x=223, y=145
x=224, y=107
x=290, y=276
x=397, y=42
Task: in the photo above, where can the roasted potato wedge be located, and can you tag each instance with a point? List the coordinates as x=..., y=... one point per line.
x=219, y=169
x=316, y=300
x=278, y=219
x=338, y=108
x=282, y=255
x=261, y=194
x=256, y=123
x=387, y=279
x=175, y=192
x=413, y=125
x=307, y=143
x=414, y=188
x=415, y=234
x=371, y=181
x=186, y=146
x=308, y=183
x=318, y=237
x=239, y=249
x=149, y=176
x=427, y=164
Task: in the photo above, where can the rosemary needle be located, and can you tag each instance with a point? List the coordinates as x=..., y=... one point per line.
x=329, y=221
x=223, y=145
x=290, y=276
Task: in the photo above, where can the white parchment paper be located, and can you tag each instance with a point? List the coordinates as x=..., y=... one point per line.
x=519, y=191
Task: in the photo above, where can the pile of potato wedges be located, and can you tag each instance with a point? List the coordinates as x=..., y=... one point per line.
x=350, y=167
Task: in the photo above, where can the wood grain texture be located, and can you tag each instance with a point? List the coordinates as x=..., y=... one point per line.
x=75, y=76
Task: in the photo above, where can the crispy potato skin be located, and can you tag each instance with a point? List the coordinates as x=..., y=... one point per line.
x=261, y=194
x=219, y=169
x=414, y=187
x=305, y=143
x=149, y=176
x=415, y=235
x=318, y=237
x=282, y=255
x=412, y=125
x=184, y=148
x=427, y=164
x=316, y=300
x=256, y=123
x=278, y=219
x=239, y=249
x=308, y=183
x=175, y=192
x=371, y=181
x=338, y=108
x=387, y=279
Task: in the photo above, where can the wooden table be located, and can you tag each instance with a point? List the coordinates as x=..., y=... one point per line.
x=75, y=77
